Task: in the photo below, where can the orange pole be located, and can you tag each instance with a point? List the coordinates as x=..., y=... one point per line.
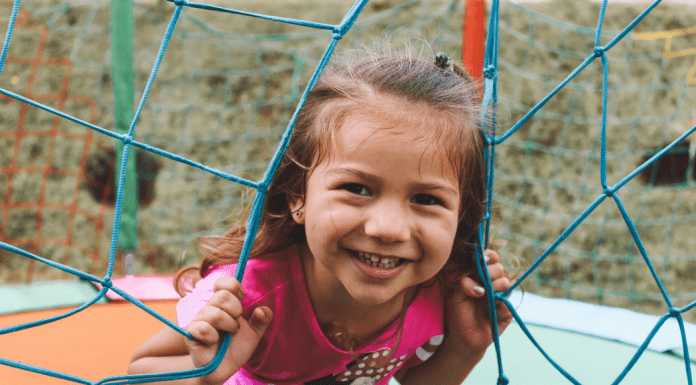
x=474, y=37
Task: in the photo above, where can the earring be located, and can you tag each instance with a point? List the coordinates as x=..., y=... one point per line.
x=297, y=213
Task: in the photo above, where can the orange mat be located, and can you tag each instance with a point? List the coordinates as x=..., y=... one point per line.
x=93, y=344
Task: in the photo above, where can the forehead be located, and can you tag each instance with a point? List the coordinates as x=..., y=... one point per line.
x=388, y=129
x=399, y=119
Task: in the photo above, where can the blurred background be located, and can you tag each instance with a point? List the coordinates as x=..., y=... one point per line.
x=228, y=85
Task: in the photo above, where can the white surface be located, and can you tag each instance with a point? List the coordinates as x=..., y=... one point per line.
x=602, y=321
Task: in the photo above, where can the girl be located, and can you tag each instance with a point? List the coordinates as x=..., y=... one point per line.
x=363, y=265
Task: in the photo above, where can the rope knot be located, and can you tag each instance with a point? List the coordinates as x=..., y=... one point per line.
x=262, y=188
x=489, y=72
x=180, y=2
x=107, y=283
x=338, y=33
x=598, y=51
x=673, y=312
x=128, y=140
x=608, y=192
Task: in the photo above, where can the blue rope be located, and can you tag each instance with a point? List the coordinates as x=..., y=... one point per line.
x=482, y=270
x=642, y=348
x=57, y=265
x=338, y=31
x=28, y=325
x=10, y=28
x=286, y=20
x=489, y=101
x=257, y=206
x=529, y=335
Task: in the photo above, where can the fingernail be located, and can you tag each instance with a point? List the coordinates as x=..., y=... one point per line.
x=479, y=290
x=485, y=258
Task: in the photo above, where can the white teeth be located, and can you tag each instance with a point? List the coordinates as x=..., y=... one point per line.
x=375, y=261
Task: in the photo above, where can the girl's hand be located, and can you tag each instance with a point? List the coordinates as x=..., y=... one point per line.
x=223, y=313
x=467, y=310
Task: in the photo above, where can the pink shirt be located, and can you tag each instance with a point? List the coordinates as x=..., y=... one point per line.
x=294, y=350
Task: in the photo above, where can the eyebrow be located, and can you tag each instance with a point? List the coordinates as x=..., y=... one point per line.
x=371, y=178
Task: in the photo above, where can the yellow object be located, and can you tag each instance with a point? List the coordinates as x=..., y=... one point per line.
x=667, y=52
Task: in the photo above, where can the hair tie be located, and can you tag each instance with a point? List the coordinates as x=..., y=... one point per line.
x=443, y=61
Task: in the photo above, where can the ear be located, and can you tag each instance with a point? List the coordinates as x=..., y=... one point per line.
x=296, y=205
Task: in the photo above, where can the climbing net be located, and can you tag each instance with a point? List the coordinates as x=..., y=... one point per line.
x=549, y=171
x=192, y=151
x=222, y=97
x=539, y=131
x=336, y=32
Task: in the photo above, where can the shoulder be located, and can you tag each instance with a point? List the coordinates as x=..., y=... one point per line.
x=268, y=273
x=189, y=305
x=262, y=276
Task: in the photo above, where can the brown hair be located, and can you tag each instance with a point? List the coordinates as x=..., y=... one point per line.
x=346, y=88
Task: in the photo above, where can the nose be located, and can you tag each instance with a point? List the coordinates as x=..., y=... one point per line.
x=388, y=222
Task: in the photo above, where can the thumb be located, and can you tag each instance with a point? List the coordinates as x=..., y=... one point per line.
x=260, y=319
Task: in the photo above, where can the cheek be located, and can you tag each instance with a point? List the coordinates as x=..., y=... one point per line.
x=327, y=220
x=330, y=209
x=441, y=240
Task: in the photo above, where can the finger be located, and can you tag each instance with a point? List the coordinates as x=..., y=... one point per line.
x=491, y=256
x=503, y=314
x=501, y=284
x=472, y=288
x=227, y=302
x=216, y=319
x=230, y=284
x=203, y=333
x=496, y=271
x=260, y=318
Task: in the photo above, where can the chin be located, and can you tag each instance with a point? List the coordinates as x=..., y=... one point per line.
x=374, y=297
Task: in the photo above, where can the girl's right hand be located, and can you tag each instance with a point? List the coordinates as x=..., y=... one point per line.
x=223, y=313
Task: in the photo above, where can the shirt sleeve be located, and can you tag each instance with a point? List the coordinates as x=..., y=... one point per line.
x=192, y=303
x=426, y=351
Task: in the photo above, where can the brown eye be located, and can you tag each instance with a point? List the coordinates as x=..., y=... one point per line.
x=426, y=200
x=356, y=189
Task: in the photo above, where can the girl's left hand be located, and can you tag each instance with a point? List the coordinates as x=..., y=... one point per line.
x=467, y=309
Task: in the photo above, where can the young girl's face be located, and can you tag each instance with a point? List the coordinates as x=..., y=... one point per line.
x=381, y=210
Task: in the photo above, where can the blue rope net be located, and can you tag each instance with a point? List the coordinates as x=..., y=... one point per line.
x=336, y=31
x=609, y=193
x=548, y=172
x=222, y=97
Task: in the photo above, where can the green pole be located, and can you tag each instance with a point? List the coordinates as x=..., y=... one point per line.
x=124, y=90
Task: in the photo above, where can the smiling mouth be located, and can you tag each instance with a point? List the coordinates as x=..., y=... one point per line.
x=376, y=261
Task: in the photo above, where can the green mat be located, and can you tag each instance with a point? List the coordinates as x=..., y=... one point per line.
x=45, y=295
x=589, y=359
